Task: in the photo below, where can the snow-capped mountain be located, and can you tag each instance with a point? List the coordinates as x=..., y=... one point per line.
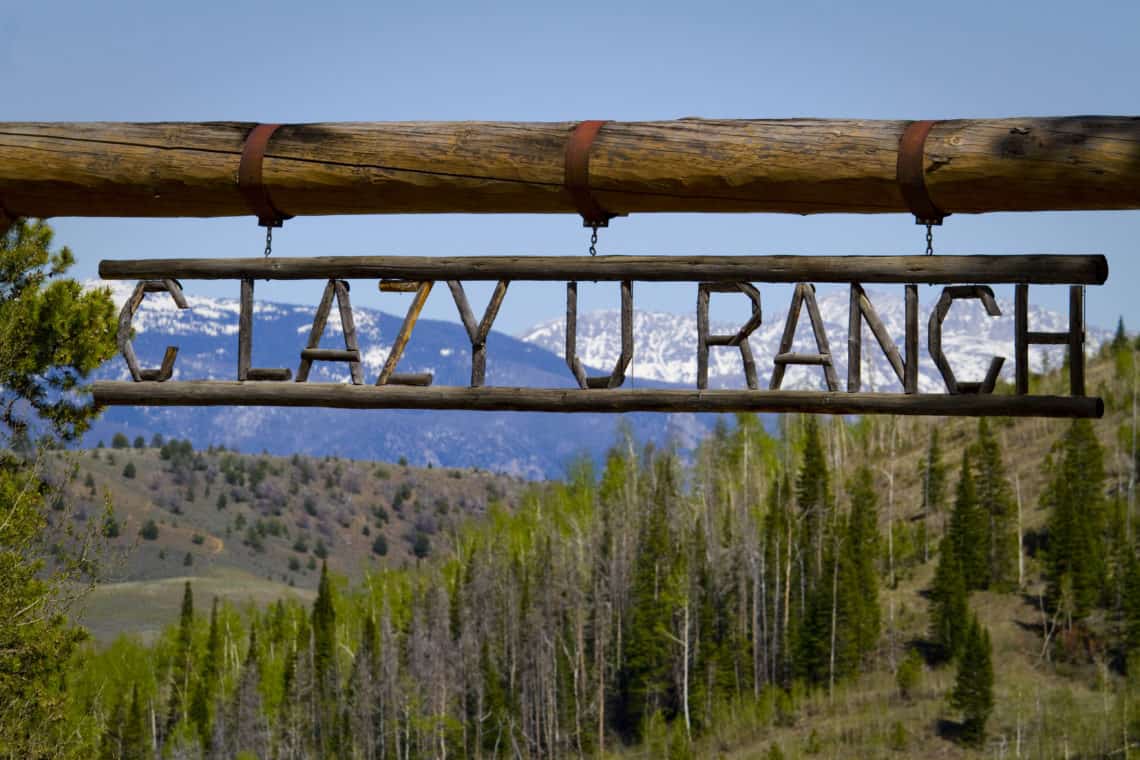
x=531, y=445
x=527, y=444
x=665, y=344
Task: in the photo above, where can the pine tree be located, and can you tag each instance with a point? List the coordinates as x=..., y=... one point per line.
x=134, y=733
x=1120, y=337
x=207, y=682
x=969, y=531
x=181, y=671
x=813, y=495
x=248, y=732
x=324, y=661
x=949, y=603
x=1075, y=498
x=932, y=475
x=860, y=584
x=995, y=500
x=974, y=687
x=1131, y=604
x=646, y=677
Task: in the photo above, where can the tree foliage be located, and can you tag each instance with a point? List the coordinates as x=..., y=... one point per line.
x=52, y=334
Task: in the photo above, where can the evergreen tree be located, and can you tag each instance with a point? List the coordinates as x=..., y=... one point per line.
x=813, y=495
x=932, y=475
x=134, y=733
x=969, y=531
x=995, y=500
x=646, y=677
x=1120, y=337
x=248, y=733
x=53, y=334
x=1131, y=603
x=860, y=585
x=974, y=687
x=207, y=682
x=181, y=670
x=324, y=662
x=949, y=603
x=1075, y=499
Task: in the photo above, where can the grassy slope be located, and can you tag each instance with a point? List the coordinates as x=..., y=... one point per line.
x=144, y=587
x=860, y=719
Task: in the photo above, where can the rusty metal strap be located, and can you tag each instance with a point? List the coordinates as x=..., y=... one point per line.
x=250, y=182
x=911, y=174
x=577, y=176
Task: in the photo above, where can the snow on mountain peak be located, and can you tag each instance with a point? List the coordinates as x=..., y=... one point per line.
x=665, y=344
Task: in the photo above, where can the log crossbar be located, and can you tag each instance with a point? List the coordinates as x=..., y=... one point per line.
x=330, y=395
x=798, y=166
x=724, y=277
x=1037, y=269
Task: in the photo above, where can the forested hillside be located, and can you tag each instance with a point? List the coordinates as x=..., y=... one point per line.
x=251, y=526
x=843, y=588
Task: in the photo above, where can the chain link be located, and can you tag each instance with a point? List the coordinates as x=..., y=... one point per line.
x=594, y=240
x=268, y=241
x=929, y=239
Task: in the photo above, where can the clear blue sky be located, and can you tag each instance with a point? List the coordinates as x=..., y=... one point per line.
x=289, y=61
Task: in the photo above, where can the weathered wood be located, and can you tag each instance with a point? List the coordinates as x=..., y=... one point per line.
x=1077, y=340
x=934, y=338
x=270, y=374
x=799, y=166
x=337, y=289
x=399, y=286
x=348, y=328
x=245, y=341
x=616, y=377
x=910, y=384
x=320, y=318
x=410, y=378
x=739, y=339
x=127, y=315
x=337, y=395
x=1043, y=269
x=860, y=308
x=1021, y=338
x=245, y=329
x=330, y=354
x=819, y=360
x=804, y=294
x=477, y=332
x=166, y=371
x=405, y=333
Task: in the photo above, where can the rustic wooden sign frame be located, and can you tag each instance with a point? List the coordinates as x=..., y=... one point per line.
x=711, y=274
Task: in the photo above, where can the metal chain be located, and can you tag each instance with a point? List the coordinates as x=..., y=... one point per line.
x=594, y=240
x=929, y=239
x=268, y=241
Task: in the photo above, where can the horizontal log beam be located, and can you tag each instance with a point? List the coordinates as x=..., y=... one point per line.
x=800, y=166
x=332, y=395
x=1041, y=269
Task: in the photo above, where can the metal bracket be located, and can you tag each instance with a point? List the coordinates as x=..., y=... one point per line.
x=250, y=179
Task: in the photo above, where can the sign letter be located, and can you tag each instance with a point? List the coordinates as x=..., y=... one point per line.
x=805, y=293
x=862, y=308
x=477, y=331
x=617, y=377
x=949, y=295
x=739, y=339
x=1074, y=339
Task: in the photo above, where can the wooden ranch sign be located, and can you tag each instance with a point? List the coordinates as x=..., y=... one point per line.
x=963, y=278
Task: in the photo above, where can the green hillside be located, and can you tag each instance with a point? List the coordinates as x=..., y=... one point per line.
x=771, y=598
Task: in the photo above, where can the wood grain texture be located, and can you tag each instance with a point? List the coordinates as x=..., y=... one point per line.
x=1044, y=269
x=343, y=396
x=800, y=166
